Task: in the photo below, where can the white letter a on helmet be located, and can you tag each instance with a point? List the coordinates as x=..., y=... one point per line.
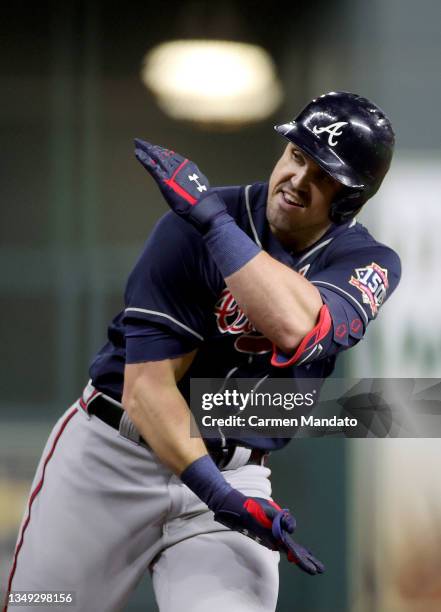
x=333, y=130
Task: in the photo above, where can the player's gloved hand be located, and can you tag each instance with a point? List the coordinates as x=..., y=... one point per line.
x=264, y=521
x=188, y=193
x=258, y=518
x=184, y=187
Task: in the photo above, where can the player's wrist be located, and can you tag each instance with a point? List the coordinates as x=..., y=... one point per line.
x=208, y=213
x=229, y=246
x=205, y=480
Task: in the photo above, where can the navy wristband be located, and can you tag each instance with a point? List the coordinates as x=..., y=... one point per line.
x=205, y=480
x=229, y=246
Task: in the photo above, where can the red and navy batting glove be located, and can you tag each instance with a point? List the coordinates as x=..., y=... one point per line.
x=264, y=521
x=260, y=519
x=184, y=187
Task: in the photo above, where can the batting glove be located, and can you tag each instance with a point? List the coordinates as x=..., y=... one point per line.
x=184, y=187
x=259, y=519
x=267, y=523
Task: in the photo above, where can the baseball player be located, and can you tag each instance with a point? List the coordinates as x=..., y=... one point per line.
x=272, y=279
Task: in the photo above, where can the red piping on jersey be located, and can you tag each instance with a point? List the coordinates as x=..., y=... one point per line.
x=309, y=341
x=177, y=188
x=34, y=494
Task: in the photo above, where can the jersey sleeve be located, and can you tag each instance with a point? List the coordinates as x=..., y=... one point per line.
x=167, y=294
x=353, y=286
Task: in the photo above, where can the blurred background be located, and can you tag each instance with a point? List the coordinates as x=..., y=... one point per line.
x=76, y=208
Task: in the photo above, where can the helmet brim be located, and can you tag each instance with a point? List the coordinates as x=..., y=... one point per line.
x=324, y=156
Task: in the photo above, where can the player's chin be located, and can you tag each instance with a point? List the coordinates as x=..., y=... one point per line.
x=272, y=213
x=281, y=222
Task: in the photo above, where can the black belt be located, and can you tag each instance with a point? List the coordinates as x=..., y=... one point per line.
x=111, y=414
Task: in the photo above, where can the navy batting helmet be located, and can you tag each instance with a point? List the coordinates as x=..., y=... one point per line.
x=351, y=139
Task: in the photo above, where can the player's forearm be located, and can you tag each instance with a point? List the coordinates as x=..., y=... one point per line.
x=162, y=417
x=278, y=301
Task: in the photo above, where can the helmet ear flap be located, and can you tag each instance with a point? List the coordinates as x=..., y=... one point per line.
x=346, y=205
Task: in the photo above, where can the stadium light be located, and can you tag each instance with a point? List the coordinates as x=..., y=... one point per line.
x=212, y=81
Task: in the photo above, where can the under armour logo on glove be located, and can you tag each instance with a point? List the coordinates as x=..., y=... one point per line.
x=194, y=177
x=333, y=129
x=184, y=187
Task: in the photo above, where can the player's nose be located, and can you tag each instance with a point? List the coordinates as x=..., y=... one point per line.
x=299, y=179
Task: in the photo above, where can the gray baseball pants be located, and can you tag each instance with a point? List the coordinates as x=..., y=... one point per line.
x=103, y=511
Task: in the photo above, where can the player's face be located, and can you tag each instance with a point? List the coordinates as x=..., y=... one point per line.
x=299, y=198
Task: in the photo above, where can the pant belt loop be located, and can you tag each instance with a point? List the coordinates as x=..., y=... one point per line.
x=239, y=459
x=88, y=395
x=89, y=392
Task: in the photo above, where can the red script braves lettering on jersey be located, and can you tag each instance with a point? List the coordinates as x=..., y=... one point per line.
x=231, y=319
